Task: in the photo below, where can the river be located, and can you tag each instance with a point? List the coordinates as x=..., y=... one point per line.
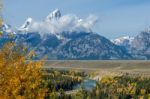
x=87, y=84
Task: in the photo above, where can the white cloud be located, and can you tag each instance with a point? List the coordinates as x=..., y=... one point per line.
x=67, y=22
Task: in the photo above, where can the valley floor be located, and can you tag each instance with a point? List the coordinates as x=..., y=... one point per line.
x=103, y=67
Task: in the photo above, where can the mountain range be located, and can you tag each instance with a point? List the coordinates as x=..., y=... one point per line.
x=70, y=37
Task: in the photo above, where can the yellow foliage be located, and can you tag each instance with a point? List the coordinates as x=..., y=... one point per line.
x=132, y=92
x=148, y=96
x=19, y=79
x=141, y=97
x=119, y=90
x=143, y=91
x=1, y=33
x=107, y=80
x=1, y=22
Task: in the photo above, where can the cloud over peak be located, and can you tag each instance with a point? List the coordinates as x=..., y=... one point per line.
x=56, y=23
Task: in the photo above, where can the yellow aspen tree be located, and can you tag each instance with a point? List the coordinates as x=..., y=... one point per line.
x=19, y=79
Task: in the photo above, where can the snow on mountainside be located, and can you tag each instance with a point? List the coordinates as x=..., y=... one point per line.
x=66, y=37
x=7, y=28
x=123, y=41
x=140, y=46
x=70, y=37
x=92, y=46
x=55, y=23
x=25, y=27
x=81, y=46
x=56, y=14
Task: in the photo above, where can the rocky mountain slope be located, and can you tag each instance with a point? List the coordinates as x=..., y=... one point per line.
x=70, y=37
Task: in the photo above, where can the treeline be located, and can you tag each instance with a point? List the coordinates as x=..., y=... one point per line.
x=122, y=87
x=59, y=81
x=62, y=79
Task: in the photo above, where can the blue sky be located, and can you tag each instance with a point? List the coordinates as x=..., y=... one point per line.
x=116, y=17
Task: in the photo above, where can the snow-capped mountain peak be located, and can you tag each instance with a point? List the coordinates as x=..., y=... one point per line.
x=26, y=24
x=56, y=14
x=55, y=23
x=7, y=28
x=123, y=41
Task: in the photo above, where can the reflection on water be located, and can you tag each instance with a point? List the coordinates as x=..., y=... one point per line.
x=87, y=84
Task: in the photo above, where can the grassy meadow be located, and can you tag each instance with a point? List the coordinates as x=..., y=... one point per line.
x=103, y=67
